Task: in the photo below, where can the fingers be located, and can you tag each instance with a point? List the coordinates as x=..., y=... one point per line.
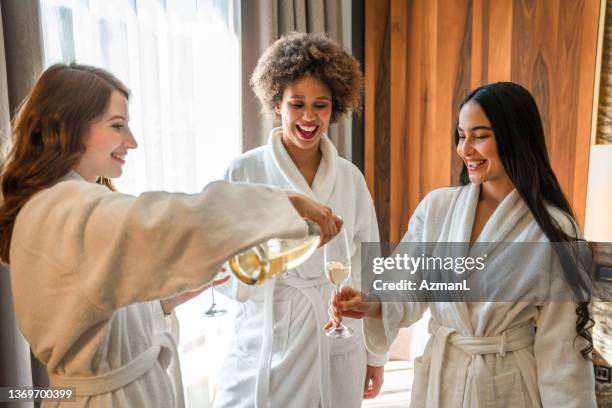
x=373, y=390
x=375, y=386
x=329, y=325
x=182, y=298
x=353, y=315
x=338, y=221
x=221, y=281
x=369, y=393
x=327, y=224
x=335, y=317
x=374, y=381
x=367, y=387
x=354, y=304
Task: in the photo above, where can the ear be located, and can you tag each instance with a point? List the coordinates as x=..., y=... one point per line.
x=277, y=109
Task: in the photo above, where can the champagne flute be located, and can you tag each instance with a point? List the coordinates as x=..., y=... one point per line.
x=337, y=261
x=215, y=310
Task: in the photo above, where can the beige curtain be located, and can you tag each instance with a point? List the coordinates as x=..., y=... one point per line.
x=264, y=21
x=20, y=64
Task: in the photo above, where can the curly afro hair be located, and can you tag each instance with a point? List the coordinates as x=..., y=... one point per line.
x=297, y=55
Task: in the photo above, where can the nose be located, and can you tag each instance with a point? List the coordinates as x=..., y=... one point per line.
x=466, y=147
x=308, y=114
x=130, y=141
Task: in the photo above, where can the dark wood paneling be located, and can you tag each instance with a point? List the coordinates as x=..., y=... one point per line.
x=439, y=50
x=377, y=105
x=358, y=46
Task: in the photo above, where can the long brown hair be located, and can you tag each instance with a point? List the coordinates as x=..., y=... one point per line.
x=47, y=136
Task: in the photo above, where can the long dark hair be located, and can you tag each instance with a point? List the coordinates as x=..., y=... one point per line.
x=47, y=136
x=521, y=146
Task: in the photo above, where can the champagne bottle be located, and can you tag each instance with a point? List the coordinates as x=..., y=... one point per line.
x=274, y=257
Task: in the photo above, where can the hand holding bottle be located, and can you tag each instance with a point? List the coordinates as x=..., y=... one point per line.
x=275, y=256
x=328, y=222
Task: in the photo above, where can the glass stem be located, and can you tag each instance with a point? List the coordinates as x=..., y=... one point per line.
x=337, y=290
x=212, y=293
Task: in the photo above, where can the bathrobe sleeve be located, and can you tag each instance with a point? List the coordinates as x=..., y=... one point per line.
x=128, y=249
x=233, y=288
x=366, y=231
x=565, y=378
x=380, y=333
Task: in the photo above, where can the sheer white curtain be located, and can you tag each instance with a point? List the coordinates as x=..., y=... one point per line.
x=181, y=60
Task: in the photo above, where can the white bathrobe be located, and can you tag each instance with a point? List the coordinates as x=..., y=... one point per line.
x=88, y=266
x=297, y=365
x=487, y=354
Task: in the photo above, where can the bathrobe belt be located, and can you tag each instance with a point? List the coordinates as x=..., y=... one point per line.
x=481, y=391
x=309, y=288
x=161, y=351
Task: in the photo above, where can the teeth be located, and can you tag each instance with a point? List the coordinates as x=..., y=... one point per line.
x=475, y=163
x=307, y=128
x=118, y=156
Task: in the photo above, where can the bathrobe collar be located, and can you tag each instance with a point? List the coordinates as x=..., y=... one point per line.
x=512, y=207
x=510, y=211
x=325, y=178
x=72, y=175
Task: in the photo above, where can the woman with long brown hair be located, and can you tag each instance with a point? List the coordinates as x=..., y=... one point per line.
x=525, y=341
x=89, y=266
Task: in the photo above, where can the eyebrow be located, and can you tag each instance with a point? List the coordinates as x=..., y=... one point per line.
x=116, y=117
x=481, y=127
x=327, y=98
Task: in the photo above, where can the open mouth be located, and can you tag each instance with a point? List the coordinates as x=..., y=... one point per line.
x=306, y=132
x=119, y=157
x=475, y=165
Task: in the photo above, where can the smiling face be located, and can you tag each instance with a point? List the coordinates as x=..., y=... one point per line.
x=107, y=142
x=305, y=111
x=477, y=147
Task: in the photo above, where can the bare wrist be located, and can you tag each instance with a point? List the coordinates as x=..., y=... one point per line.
x=377, y=310
x=294, y=198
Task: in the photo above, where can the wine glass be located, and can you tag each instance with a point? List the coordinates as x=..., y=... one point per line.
x=337, y=261
x=215, y=310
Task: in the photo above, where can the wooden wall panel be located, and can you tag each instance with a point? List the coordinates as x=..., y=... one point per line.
x=377, y=103
x=437, y=51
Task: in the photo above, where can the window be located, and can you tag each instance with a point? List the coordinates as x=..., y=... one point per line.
x=181, y=60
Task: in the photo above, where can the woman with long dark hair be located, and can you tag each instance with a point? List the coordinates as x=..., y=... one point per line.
x=530, y=350
x=95, y=271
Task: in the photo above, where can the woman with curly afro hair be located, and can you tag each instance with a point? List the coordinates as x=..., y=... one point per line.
x=281, y=356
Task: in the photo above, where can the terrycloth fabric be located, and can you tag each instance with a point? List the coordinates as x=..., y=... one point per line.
x=489, y=354
x=88, y=266
x=297, y=365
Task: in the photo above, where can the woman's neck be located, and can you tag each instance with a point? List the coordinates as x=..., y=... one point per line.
x=496, y=191
x=306, y=161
